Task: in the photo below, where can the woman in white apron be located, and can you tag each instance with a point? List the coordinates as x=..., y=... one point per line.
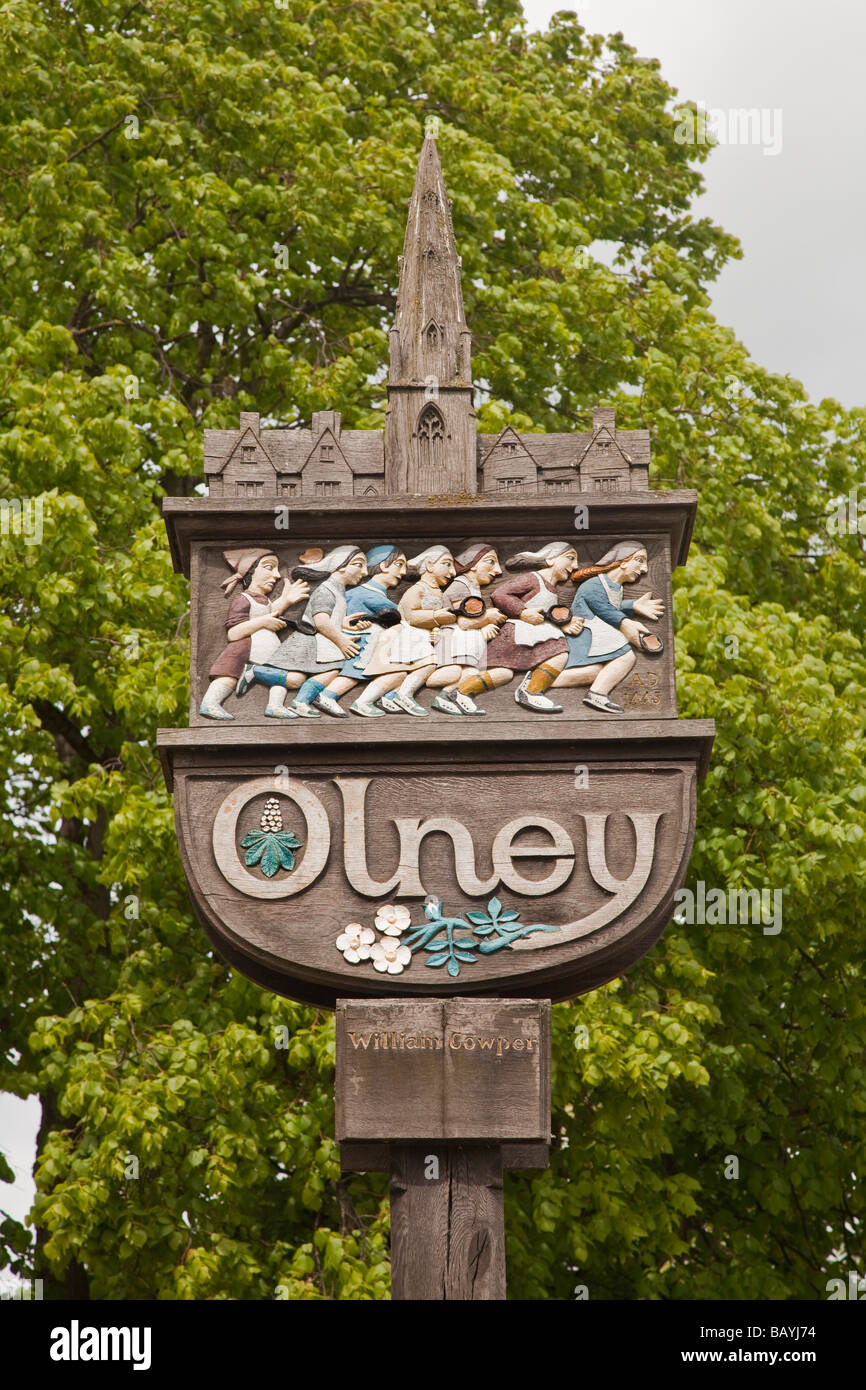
x=252, y=625
x=602, y=654
x=527, y=642
x=462, y=647
x=405, y=656
x=322, y=642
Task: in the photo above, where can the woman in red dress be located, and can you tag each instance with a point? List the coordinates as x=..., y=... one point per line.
x=528, y=641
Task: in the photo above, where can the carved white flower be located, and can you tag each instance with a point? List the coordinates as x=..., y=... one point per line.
x=388, y=955
x=392, y=920
x=355, y=942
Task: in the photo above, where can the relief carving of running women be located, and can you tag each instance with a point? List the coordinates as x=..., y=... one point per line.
x=382, y=627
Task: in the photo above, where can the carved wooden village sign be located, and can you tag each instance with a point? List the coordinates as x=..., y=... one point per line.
x=433, y=745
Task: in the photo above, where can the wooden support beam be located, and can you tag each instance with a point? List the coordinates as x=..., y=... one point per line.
x=447, y=1223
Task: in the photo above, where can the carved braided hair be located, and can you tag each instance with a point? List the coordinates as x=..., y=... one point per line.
x=623, y=551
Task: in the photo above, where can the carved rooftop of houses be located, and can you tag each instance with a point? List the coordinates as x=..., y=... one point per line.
x=430, y=444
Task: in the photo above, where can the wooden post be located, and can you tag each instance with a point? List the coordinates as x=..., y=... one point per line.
x=448, y=1230
x=444, y=1095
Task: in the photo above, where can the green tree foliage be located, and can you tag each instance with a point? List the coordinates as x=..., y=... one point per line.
x=204, y=205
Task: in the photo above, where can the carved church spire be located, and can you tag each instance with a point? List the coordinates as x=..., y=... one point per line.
x=430, y=337
x=430, y=441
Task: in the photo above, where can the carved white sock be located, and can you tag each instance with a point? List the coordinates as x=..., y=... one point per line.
x=218, y=689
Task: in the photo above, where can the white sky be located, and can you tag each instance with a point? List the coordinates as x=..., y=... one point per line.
x=798, y=298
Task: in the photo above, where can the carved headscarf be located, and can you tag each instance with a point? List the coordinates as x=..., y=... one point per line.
x=242, y=562
x=623, y=550
x=433, y=552
x=323, y=568
x=532, y=559
x=471, y=555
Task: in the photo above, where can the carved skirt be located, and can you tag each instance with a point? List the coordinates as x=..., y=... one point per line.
x=505, y=651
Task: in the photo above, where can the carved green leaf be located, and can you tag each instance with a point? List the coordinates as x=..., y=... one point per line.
x=273, y=848
x=438, y=960
x=270, y=858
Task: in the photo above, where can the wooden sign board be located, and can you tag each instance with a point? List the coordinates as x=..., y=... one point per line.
x=433, y=746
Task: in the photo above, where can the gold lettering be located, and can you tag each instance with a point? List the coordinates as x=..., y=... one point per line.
x=454, y=1042
x=411, y=1044
x=517, y=1045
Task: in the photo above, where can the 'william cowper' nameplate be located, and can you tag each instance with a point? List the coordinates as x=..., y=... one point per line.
x=443, y=1069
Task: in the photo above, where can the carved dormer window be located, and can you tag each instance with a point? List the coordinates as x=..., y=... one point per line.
x=509, y=447
x=326, y=453
x=248, y=453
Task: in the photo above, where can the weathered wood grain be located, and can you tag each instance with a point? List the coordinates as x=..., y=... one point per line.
x=448, y=1231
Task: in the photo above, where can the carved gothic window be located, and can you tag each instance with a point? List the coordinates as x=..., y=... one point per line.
x=432, y=336
x=431, y=426
x=431, y=448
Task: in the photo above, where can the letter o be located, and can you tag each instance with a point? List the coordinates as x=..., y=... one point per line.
x=468, y=1043
x=316, y=849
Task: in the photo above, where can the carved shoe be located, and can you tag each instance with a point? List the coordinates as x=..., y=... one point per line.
x=214, y=711
x=246, y=680
x=305, y=711
x=445, y=704
x=536, y=702
x=279, y=712
x=596, y=701
x=330, y=706
x=465, y=702
x=408, y=705
x=387, y=705
x=367, y=710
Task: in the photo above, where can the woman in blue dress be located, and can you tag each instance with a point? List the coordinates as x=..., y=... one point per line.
x=386, y=566
x=602, y=653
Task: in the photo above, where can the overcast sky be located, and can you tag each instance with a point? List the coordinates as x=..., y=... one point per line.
x=797, y=300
